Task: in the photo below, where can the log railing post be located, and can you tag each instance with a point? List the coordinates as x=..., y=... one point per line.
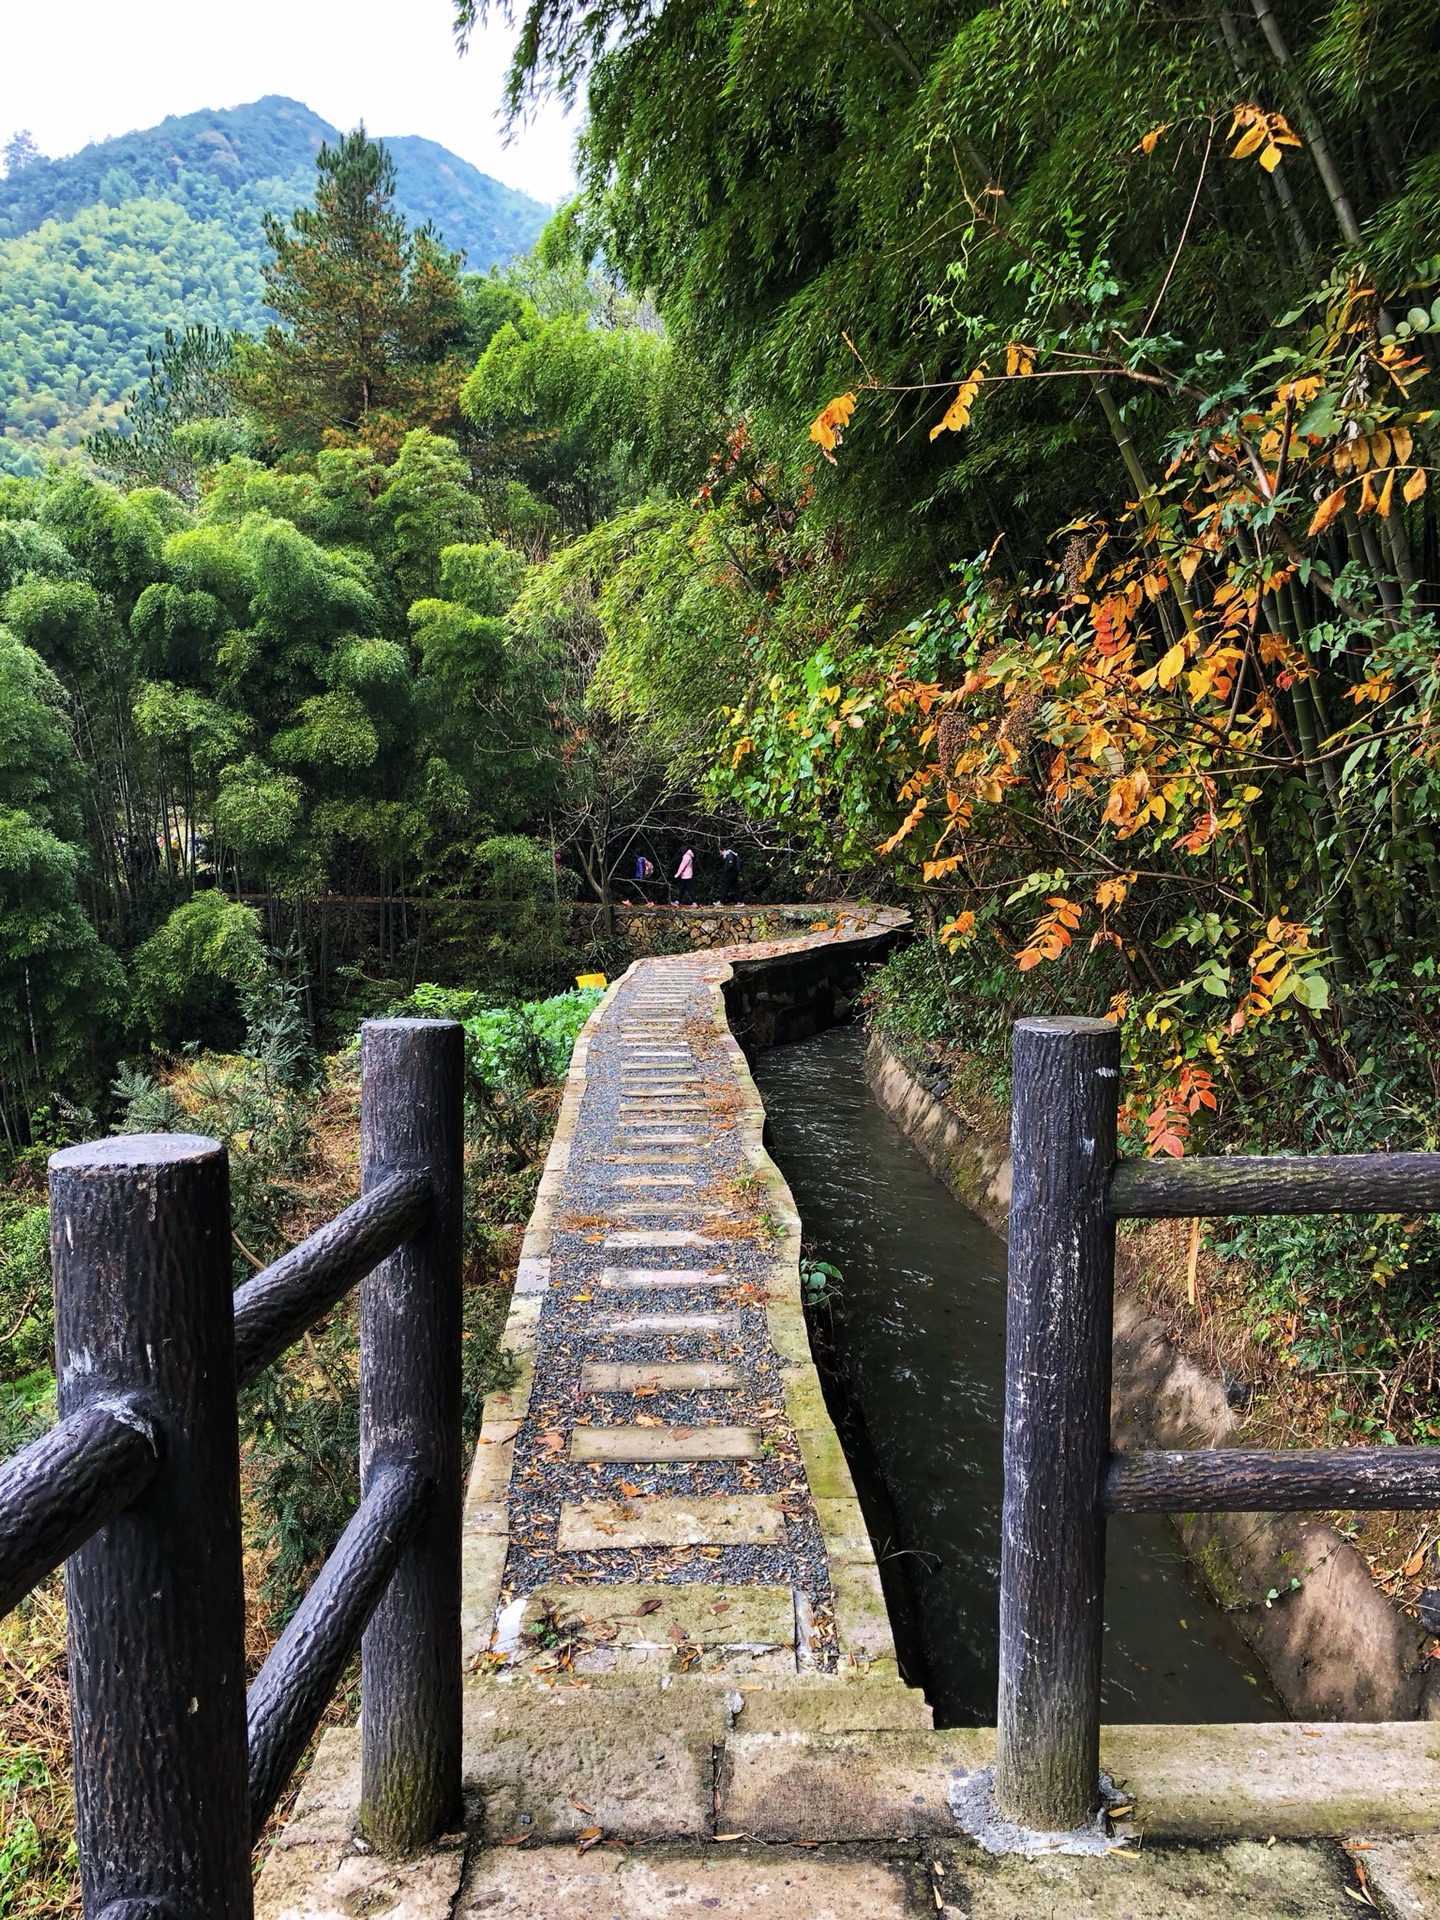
x=412, y=1078
x=140, y=1237
x=1065, y=1078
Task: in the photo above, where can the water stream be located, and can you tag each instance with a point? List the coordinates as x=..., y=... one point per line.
x=919, y=1337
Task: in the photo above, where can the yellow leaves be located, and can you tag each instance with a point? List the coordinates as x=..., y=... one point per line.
x=907, y=825
x=742, y=747
x=1112, y=892
x=1266, y=134
x=1171, y=667
x=1382, y=505
x=1148, y=142
x=1052, y=934
x=937, y=869
x=1300, y=391
x=1282, y=965
x=1415, y=485
x=959, y=932
x=1019, y=360
x=1389, y=445
x=1326, y=512
x=957, y=414
x=827, y=429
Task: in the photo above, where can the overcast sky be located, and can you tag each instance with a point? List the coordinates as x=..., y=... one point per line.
x=73, y=71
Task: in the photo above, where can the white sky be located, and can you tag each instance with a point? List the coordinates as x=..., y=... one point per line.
x=74, y=71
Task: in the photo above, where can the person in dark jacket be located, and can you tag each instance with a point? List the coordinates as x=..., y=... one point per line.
x=729, y=879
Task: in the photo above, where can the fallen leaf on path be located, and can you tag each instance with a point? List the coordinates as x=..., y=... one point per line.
x=581, y=1806
x=591, y=1837
x=648, y=1606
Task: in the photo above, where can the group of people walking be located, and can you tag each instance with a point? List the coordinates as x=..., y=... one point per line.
x=682, y=885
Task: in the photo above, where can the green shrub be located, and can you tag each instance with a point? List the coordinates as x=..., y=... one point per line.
x=189, y=975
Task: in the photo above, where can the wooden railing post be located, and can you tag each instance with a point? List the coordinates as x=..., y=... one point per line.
x=412, y=1080
x=1065, y=1081
x=140, y=1237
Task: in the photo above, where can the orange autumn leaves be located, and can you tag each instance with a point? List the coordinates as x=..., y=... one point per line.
x=1262, y=134
x=1386, y=452
x=827, y=429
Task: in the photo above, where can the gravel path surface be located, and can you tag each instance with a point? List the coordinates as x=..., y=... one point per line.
x=659, y=1115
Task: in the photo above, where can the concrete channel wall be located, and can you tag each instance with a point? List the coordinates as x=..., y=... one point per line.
x=1335, y=1647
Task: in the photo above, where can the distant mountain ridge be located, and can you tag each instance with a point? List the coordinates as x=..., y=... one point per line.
x=246, y=153
x=102, y=250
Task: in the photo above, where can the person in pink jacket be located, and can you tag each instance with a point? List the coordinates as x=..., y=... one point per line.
x=685, y=879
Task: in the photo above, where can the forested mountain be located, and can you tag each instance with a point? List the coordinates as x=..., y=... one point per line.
x=100, y=252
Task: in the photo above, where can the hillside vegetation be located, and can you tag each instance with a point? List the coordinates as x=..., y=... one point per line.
x=102, y=251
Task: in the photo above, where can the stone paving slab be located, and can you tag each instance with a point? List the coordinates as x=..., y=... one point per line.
x=665, y=1521
x=636, y=1444
x=1403, y=1874
x=723, y=1883
x=704, y=1616
x=738, y=1881
x=1186, y=1783
x=647, y=1279
x=651, y=1376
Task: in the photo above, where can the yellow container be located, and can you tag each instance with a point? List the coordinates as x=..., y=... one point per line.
x=591, y=980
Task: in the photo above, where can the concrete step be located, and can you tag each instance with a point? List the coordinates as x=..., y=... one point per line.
x=670, y=1520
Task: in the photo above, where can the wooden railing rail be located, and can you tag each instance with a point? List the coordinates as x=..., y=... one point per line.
x=1061, y=1478
x=137, y=1490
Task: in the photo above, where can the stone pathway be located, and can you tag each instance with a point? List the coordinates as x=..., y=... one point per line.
x=658, y=1439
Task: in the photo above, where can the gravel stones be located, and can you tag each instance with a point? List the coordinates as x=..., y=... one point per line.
x=656, y=1451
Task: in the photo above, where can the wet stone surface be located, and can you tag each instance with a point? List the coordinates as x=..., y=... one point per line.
x=578, y=1325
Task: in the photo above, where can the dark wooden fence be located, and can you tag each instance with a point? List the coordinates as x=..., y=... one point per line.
x=1061, y=1479
x=137, y=1489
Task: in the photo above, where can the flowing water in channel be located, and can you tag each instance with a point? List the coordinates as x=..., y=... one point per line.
x=919, y=1324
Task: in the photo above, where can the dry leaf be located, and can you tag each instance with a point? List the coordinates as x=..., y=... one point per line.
x=827, y=429
x=648, y=1420
x=581, y=1806
x=957, y=414
x=630, y=1491
x=1415, y=485
x=649, y=1606
x=1328, y=508
x=553, y=1441
x=1413, y=1565
x=731, y=1836
x=590, y=1837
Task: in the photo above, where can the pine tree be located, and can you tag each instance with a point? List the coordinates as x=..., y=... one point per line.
x=372, y=316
